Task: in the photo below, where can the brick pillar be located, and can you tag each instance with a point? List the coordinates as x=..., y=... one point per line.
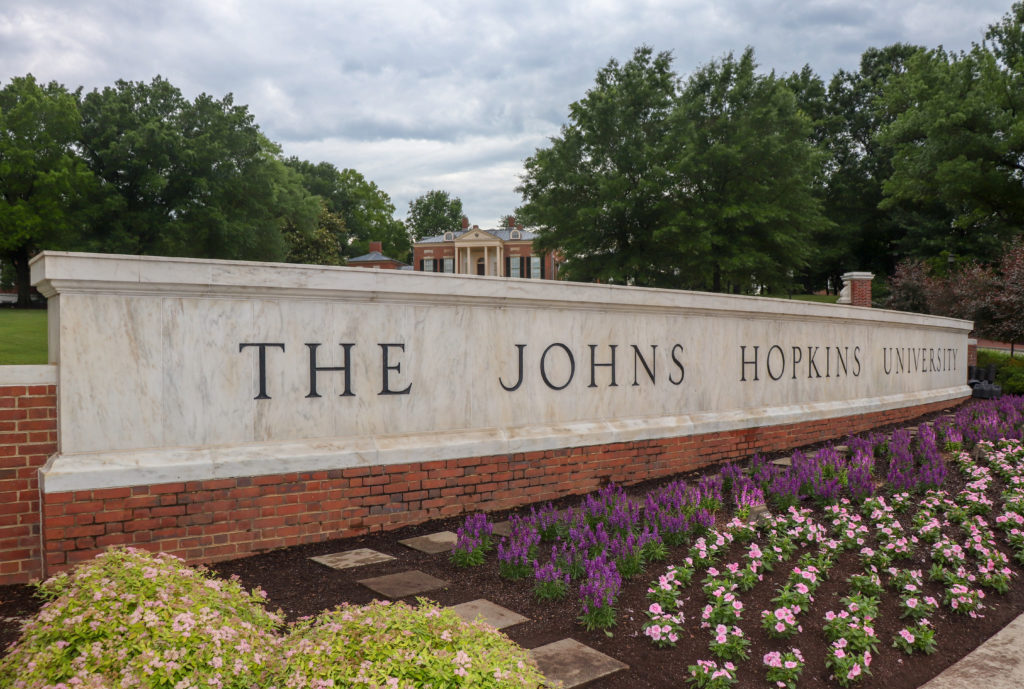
x=856, y=289
x=28, y=436
x=972, y=352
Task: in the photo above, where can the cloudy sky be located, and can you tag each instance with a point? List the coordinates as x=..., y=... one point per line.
x=448, y=94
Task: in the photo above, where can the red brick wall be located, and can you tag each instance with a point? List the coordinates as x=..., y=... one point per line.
x=205, y=521
x=28, y=436
x=860, y=293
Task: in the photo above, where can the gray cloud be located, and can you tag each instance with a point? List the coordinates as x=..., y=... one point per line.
x=453, y=95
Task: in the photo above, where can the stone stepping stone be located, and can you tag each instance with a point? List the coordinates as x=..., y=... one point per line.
x=572, y=663
x=491, y=613
x=758, y=514
x=352, y=558
x=410, y=583
x=784, y=462
x=502, y=528
x=432, y=543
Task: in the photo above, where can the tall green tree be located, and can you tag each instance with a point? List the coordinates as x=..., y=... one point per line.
x=600, y=193
x=43, y=182
x=745, y=168
x=706, y=185
x=433, y=213
x=865, y=236
x=187, y=178
x=322, y=245
x=959, y=144
x=367, y=211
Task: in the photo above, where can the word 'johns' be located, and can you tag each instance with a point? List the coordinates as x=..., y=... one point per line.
x=561, y=353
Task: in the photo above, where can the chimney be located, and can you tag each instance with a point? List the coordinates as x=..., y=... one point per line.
x=376, y=246
x=511, y=221
x=465, y=223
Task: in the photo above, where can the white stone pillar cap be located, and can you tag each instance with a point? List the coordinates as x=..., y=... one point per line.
x=862, y=275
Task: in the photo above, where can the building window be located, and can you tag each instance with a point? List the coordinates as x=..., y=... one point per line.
x=515, y=234
x=428, y=265
x=514, y=267
x=449, y=236
x=449, y=265
x=535, y=268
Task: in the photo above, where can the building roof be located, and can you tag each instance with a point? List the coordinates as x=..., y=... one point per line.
x=374, y=256
x=504, y=234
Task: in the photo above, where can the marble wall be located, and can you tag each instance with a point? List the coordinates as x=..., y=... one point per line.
x=174, y=369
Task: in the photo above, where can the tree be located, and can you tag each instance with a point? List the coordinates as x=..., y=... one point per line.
x=366, y=210
x=43, y=182
x=708, y=185
x=959, y=143
x=866, y=237
x=744, y=167
x=321, y=246
x=185, y=178
x=434, y=213
x=599, y=193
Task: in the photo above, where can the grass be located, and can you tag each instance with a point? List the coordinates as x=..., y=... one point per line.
x=820, y=298
x=22, y=336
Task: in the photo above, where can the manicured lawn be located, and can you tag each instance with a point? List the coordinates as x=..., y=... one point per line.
x=821, y=298
x=22, y=336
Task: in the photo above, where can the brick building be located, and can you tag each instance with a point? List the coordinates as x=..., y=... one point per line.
x=504, y=252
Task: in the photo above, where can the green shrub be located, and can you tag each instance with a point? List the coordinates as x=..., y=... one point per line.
x=129, y=618
x=393, y=644
x=1011, y=378
x=1009, y=370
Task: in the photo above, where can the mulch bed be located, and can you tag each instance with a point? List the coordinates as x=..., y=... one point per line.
x=300, y=587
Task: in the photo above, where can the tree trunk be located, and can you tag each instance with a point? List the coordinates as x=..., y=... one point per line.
x=22, y=278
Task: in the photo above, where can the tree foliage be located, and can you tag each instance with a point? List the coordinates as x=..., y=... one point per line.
x=959, y=143
x=599, y=192
x=320, y=246
x=434, y=213
x=187, y=178
x=992, y=296
x=366, y=211
x=43, y=182
x=706, y=184
x=746, y=168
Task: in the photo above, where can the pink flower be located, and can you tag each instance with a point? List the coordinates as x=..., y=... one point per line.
x=854, y=671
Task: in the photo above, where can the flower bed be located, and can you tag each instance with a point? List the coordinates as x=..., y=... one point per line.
x=881, y=503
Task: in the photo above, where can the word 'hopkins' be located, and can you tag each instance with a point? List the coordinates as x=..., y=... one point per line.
x=819, y=362
x=557, y=366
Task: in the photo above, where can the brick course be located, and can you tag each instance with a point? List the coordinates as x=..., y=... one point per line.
x=28, y=436
x=207, y=521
